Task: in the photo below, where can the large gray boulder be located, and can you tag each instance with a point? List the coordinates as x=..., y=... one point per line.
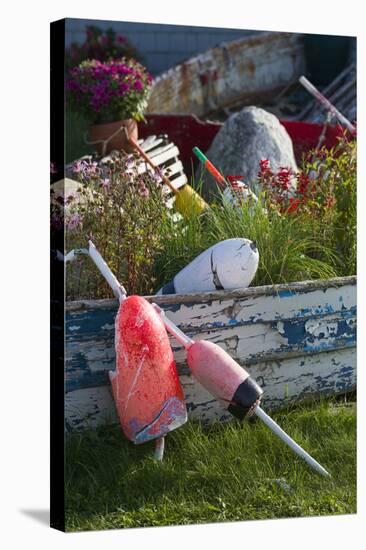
x=244, y=140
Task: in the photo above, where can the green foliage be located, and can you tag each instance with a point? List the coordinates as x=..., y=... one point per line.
x=290, y=249
x=307, y=235
x=101, y=45
x=228, y=472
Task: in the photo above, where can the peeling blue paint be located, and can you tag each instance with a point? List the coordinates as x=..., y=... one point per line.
x=285, y=294
x=85, y=370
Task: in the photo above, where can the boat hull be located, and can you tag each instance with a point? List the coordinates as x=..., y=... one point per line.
x=245, y=70
x=298, y=341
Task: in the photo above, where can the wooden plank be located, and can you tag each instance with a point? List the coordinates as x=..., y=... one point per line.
x=164, y=154
x=89, y=356
x=89, y=408
x=272, y=331
x=150, y=148
x=175, y=169
x=281, y=290
x=179, y=181
x=147, y=142
x=284, y=382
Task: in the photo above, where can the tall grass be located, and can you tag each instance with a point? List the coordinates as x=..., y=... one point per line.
x=291, y=248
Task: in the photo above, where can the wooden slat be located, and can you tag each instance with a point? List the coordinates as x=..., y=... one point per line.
x=173, y=169
x=164, y=153
x=179, y=181
x=147, y=142
x=284, y=382
x=176, y=172
x=149, y=148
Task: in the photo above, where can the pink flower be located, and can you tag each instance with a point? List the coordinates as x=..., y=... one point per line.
x=138, y=85
x=73, y=222
x=143, y=191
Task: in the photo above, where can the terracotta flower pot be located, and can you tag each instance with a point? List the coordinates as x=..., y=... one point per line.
x=102, y=132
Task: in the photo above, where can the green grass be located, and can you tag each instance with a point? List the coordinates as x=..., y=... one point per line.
x=290, y=248
x=224, y=473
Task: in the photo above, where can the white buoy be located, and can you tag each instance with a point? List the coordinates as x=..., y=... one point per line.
x=226, y=265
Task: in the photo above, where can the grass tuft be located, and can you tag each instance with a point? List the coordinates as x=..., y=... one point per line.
x=290, y=248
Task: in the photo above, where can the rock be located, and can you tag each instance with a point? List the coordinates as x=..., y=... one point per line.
x=245, y=139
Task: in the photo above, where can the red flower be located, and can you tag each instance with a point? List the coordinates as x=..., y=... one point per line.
x=232, y=179
x=303, y=181
x=283, y=178
x=294, y=204
x=265, y=170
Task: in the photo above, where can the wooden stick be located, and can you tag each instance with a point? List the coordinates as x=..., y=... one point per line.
x=327, y=91
x=133, y=142
x=327, y=104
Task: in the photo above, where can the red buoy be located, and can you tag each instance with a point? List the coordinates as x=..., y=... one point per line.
x=145, y=385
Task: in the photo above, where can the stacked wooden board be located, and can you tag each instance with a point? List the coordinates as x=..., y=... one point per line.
x=163, y=152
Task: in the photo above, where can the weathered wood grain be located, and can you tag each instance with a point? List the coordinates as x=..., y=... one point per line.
x=243, y=70
x=297, y=340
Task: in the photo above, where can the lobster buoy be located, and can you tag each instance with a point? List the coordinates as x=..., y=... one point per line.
x=226, y=265
x=145, y=385
x=224, y=378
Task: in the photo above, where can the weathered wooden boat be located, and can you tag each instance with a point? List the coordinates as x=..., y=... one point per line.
x=297, y=340
x=245, y=70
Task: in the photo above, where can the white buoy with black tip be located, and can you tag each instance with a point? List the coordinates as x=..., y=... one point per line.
x=226, y=265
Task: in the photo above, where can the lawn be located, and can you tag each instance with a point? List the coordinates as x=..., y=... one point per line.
x=231, y=472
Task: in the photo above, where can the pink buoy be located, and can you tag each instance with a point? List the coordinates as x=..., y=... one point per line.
x=223, y=377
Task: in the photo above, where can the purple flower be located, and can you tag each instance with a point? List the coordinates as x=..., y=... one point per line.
x=138, y=85
x=90, y=169
x=130, y=161
x=105, y=183
x=97, y=88
x=157, y=175
x=73, y=222
x=78, y=167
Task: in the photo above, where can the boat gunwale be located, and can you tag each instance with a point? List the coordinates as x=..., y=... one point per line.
x=220, y=295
